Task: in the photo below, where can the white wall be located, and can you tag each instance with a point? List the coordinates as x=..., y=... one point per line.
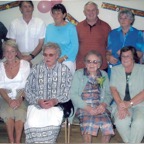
x=75, y=8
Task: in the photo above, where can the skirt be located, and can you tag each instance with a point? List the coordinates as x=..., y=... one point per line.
x=43, y=125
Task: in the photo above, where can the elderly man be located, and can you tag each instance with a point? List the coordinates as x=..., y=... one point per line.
x=92, y=34
x=48, y=84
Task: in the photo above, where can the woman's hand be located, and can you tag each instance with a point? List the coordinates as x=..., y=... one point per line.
x=14, y=103
x=123, y=113
x=46, y=104
x=90, y=110
x=101, y=109
x=112, y=59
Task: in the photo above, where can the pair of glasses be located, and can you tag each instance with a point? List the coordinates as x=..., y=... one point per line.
x=50, y=55
x=94, y=61
x=126, y=56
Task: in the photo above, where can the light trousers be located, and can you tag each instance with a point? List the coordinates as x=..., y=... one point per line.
x=131, y=129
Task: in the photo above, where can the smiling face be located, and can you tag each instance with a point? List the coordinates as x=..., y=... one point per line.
x=58, y=17
x=26, y=9
x=10, y=53
x=91, y=12
x=92, y=63
x=127, y=59
x=125, y=20
x=50, y=57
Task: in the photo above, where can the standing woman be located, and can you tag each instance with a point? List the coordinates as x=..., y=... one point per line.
x=127, y=88
x=13, y=75
x=63, y=33
x=91, y=97
x=125, y=35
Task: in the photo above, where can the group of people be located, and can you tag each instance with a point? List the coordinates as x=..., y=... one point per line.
x=38, y=71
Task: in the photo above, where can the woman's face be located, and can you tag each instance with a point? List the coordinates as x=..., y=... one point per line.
x=58, y=16
x=92, y=63
x=50, y=57
x=127, y=59
x=10, y=53
x=125, y=20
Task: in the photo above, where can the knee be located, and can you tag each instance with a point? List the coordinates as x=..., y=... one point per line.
x=138, y=123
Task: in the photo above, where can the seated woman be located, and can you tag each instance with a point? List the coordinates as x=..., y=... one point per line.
x=91, y=97
x=127, y=87
x=48, y=84
x=13, y=75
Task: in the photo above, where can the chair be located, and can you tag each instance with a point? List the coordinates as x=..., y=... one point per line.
x=65, y=126
x=76, y=123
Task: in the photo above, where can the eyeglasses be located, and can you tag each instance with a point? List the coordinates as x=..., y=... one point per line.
x=50, y=55
x=94, y=61
x=126, y=56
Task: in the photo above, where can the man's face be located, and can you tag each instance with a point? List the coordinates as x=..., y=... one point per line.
x=91, y=12
x=26, y=8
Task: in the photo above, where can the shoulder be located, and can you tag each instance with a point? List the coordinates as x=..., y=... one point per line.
x=38, y=19
x=103, y=73
x=81, y=23
x=139, y=67
x=79, y=72
x=50, y=25
x=24, y=63
x=16, y=21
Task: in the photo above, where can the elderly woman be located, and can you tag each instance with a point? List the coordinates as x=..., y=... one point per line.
x=125, y=35
x=127, y=87
x=64, y=33
x=48, y=84
x=91, y=97
x=13, y=75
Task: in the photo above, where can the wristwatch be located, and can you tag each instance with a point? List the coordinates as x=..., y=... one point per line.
x=32, y=56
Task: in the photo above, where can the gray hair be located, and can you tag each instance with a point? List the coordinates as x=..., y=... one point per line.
x=129, y=14
x=93, y=52
x=91, y=3
x=10, y=43
x=54, y=46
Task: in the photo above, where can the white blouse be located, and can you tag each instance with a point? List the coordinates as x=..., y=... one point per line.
x=18, y=82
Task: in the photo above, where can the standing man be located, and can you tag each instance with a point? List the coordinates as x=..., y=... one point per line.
x=92, y=34
x=3, y=33
x=28, y=32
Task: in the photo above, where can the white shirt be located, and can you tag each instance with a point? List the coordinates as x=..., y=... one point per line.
x=27, y=35
x=18, y=82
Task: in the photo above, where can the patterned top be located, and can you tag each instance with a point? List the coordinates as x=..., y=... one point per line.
x=45, y=83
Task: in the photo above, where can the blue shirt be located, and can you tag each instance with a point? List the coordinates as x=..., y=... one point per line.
x=116, y=40
x=66, y=37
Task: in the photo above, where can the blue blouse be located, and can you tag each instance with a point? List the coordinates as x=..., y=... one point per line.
x=116, y=40
x=66, y=37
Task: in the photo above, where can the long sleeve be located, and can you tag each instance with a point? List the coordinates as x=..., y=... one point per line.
x=78, y=84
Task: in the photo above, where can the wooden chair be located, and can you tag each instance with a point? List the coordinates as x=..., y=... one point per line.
x=76, y=123
x=65, y=126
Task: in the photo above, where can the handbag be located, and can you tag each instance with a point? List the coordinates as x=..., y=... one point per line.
x=67, y=108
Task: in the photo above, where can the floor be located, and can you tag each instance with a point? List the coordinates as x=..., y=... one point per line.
x=75, y=136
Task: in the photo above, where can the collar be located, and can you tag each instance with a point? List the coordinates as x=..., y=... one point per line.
x=97, y=23
x=130, y=29
x=86, y=73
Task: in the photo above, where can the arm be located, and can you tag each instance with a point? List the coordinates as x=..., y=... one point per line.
x=4, y=95
x=74, y=92
x=3, y=31
x=35, y=52
x=30, y=88
x=65, y=85
x=73, y=46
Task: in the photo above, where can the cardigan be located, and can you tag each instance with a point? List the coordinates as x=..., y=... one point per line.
x=78, y=84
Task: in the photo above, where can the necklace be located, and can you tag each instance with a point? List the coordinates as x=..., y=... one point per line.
x=12, y=66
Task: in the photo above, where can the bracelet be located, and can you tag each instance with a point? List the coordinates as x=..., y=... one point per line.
x=32, y=56
x=131, y=103
x=22, y=98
